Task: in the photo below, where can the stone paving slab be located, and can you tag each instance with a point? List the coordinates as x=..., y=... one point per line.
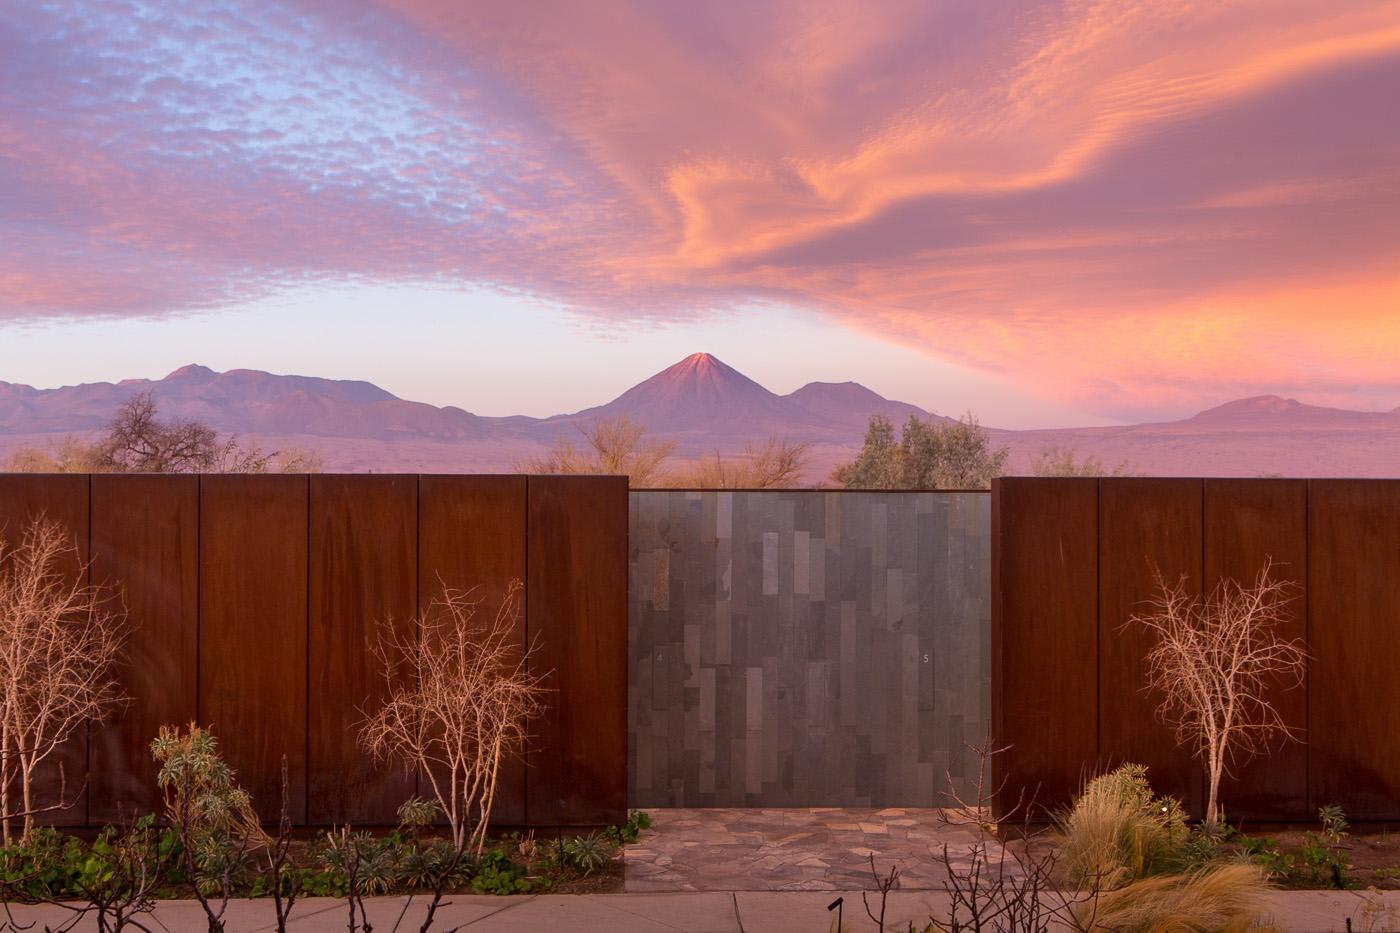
x=814, y=849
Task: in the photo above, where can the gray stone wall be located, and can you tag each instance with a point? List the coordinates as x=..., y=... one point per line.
x=793, y=649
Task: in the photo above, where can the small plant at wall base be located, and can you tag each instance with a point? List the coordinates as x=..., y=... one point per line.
x=1215, y=664
x=59, y=643
x=212, y=815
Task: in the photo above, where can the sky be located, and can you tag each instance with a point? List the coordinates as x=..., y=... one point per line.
x=1048, y=213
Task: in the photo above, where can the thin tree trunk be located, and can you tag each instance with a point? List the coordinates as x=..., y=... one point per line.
x=6, y=774
x=26, y=782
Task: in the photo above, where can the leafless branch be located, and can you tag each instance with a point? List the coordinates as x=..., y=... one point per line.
x=60, y=640
x=1216, y=663
x=460, y=695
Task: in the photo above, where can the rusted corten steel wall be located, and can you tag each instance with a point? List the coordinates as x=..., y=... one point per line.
x=1073, y=558
x=255, y=602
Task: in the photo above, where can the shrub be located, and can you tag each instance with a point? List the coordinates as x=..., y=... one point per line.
x=637, y=820
x=212, y=815
x=1227, y=899
x=587, y=854
x=1322, y=859
x=613, y=446
x=1118, y=830
x=201, y=792
x=497, y=874
x=775, y=464
x=928, y=455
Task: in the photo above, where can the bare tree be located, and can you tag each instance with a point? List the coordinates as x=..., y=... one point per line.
x=775, y=464
x=60, y=639
x=138, y=440
x=996, y=886
x=617, y=446
x=1215, y=664
x=460, y=695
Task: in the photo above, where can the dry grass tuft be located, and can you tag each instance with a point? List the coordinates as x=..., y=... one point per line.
x=1118, y=831
x=1228, y=899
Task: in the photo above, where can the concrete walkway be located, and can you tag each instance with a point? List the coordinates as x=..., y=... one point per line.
x=703, y=912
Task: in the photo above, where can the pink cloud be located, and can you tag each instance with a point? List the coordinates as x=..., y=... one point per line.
x=1121, y=204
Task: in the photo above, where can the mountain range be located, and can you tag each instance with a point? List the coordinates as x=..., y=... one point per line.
x=701, y=404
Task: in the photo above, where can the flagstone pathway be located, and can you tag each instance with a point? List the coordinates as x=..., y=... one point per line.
x=817, y=849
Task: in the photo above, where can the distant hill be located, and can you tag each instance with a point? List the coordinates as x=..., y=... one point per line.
x=243, y=401
x=702, y=404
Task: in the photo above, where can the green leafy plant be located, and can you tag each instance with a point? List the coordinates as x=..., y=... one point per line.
x=44, y=864
x=1207, y=843
x=587, y=854
x=1324, y=858
x=497, y=874
x=628, y=832
x=1321, y=860
x=1265, y=852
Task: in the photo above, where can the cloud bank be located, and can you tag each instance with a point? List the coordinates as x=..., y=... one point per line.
x=1133, y=205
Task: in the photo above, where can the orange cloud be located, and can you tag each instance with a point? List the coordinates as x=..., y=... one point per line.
x=1121, y=203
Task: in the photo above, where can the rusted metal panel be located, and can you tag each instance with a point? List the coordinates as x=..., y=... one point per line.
x=1044, y=639
x=577, y=595
x=1249, y=522
x=145, y=540
x=364, y=586
x=1147, y=527
x=253, y=630
x=471, y=534
x=1353, y=686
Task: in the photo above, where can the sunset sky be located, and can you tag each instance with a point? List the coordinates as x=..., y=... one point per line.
x=1049, y=213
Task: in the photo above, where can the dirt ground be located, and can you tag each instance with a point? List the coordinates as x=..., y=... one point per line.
x=1374, y=852
x=1372, y=849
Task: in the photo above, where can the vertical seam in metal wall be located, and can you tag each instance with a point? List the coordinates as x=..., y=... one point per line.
x=525, y=602
x=625, y=555
x=1201, y=779
x=87, y=727
x=417, y=583
x=306, y=673
x=1098, y=624
x=198, y=591
x=1307, y=642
